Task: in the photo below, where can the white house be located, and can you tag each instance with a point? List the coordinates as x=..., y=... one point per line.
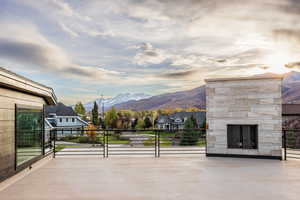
x=61, y=116
x=244, y=117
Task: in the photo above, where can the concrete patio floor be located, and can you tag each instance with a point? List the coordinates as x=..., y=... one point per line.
x=143, y=178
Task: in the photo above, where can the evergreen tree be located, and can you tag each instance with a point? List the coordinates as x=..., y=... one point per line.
x=147, y=122
x=134, y=123
x=95, y=114
x=190, y=137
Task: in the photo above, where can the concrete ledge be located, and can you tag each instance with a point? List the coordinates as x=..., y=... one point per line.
x=243, y=156
x=12, y=178
x=244, y=78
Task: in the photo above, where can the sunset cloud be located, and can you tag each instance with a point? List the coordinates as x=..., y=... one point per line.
x=31, y=48
x=149, y=46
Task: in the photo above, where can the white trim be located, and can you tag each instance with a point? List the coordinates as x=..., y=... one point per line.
x=74, y=116
x=82, y=120
x=48, y=123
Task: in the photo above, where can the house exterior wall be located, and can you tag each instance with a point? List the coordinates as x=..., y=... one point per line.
x=77, y=124
x=244, y=101
x=8, y=99
x=64, y=122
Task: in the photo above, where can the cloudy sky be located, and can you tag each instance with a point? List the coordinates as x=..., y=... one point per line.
x=83, y=48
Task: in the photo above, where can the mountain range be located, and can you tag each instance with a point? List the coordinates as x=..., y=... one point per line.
x=182, y=99
x=190, y=98
x=120, y=98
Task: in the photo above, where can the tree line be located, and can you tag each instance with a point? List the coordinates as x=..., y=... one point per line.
x=126, y=119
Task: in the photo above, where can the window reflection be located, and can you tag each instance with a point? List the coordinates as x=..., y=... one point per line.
x=29, y=130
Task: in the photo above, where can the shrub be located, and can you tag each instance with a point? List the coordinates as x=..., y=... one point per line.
x=189, y=137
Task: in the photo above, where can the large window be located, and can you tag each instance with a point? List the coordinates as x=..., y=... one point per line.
x=29, y=133
x=242, y=136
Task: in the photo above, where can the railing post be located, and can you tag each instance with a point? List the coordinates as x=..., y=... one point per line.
x=43, y=141
x=106, y=144
x=205, y=135
x=54, y=145
x=103, y=143
x=155, y=132
x=284, y=143
x=158, y=155
x=43, y=130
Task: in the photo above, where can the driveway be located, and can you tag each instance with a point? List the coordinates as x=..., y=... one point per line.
x=143, y=178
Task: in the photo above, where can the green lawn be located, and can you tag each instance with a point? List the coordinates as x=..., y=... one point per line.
x=165, y=138
x=114, y=140
x=60, y=147
x=201, y=142
x=99, y=140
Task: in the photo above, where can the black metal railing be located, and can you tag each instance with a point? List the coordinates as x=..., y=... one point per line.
x=119, y=142
x=291, y=143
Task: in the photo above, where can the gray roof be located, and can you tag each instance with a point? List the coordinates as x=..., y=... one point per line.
x=164, y=118
x=60, y=110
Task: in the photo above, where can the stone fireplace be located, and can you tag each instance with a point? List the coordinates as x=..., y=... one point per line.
x=244, y=117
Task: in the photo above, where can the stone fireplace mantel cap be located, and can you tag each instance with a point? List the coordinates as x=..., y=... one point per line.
x=257, y=77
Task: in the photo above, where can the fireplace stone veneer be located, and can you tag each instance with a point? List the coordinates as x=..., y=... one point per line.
x=244, y=101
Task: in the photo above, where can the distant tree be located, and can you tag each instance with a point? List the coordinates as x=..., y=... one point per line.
x=203, y=125
x=159, y=112
x=101, y=123
x=167, y=111
x=85, y=118
x=79, y=109
x=95, y=114
x=192, y=109
x=140, y=124
x=147, y=122
x=91, y=133
x=190, y=137
x=134, y=122
x=124, y=118
x=178, y=110
x=153, y=116
x=111, y=118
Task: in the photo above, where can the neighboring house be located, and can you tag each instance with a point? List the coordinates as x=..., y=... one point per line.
x=61, y=116
x=177, y=120
x=21, y=121
x=291, y=116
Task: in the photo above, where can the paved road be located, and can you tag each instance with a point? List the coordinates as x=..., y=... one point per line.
x=141, y=178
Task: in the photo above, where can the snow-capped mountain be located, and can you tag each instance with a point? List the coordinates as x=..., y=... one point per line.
x=121, y=98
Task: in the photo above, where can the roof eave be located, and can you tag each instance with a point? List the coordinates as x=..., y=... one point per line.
x=19, y=83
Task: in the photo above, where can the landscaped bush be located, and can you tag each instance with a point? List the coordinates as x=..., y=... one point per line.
x=83, y=139
x=293, y=139
x=189, y=138
x=70, y=138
